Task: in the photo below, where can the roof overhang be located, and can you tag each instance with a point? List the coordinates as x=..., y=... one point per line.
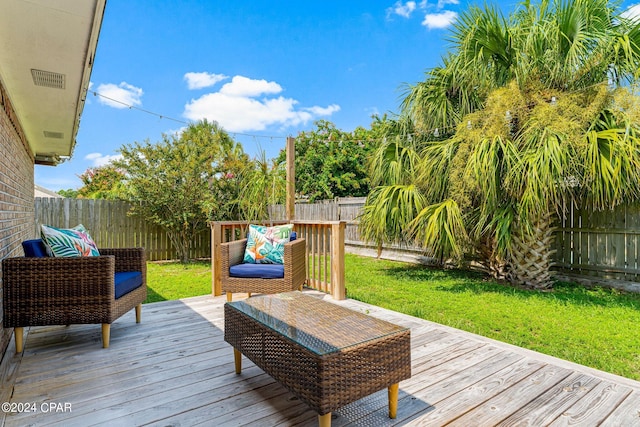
x=47, y=48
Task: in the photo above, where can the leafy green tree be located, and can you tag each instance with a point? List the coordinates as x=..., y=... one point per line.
x=176, y=183
x=69, y=193
x=525, y=116
x=103, y=182
x=331, y=163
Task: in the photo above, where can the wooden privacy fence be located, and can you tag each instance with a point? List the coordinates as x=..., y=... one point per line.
x=110, y=226
x=324, y=246
x=591, y=247
x=601, y=246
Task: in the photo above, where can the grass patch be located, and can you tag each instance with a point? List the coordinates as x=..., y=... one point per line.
x=172, y=280
x=593, y=327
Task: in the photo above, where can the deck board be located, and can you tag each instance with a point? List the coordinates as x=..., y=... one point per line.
x=174, y=369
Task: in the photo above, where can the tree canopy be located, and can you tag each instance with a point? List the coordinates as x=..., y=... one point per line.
x=102, y=182
x=176, y=183
x=330, y=162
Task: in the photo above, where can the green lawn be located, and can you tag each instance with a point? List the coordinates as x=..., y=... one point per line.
x=597, y=328
x=172, y=280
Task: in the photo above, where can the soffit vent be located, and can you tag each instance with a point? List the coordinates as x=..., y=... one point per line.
x=51, y=134
x=47, y=79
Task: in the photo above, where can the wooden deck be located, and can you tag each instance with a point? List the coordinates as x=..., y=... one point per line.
x=174, y=369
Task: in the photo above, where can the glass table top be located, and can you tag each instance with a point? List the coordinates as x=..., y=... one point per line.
x=319, y=326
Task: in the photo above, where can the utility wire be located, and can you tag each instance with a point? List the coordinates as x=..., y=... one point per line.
x=409, y=135
x=162, y=116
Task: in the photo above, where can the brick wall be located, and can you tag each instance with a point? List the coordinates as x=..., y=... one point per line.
x=16, y=192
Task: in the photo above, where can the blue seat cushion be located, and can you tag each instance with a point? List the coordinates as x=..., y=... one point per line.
x=126, y=281
x=34, y=248
x=257, y=271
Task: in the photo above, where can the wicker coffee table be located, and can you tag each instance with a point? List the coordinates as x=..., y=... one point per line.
x=325, y=354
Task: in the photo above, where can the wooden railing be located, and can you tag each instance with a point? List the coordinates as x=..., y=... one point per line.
x=325, y=252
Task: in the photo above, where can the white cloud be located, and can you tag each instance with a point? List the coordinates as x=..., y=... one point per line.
x=243, y=86
x=123, y=95
x=439, y=20
x=176, y=132
x=244, y=105
x=633, y=13
x=320, y=111
x=202, y=80
x=443, y=3
x=99, y=159
x=439, y=17
x=403, y=9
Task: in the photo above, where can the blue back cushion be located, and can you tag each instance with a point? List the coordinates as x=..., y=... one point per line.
x=126, y=281
x=257, y=271
x=34, y=248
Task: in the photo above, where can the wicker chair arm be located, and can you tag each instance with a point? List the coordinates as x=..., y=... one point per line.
x=233, y=252
x=55, y=279
x=128, y=259
x=294, y=250
x=295, y=262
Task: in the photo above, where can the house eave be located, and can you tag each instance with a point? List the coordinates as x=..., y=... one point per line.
x=46, y=60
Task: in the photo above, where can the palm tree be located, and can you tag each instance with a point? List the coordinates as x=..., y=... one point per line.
x=263, y=185
x=533, y=112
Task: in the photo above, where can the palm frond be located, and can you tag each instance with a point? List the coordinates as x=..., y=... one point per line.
x=612, y=167
x=388, y=211
x=395, y=161
x=440, y=230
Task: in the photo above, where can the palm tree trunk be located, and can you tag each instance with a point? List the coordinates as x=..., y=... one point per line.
x=494, y=265
x=532, y=256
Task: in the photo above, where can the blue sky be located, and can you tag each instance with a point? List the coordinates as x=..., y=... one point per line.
x=263, y=69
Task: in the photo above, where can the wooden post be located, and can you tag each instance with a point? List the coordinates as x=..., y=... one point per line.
x=216, y=259
x=291, y=179
x=337, y=260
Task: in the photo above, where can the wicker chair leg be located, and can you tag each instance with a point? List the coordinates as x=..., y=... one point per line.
x=248, y=294
x=229, y=296
x=324, y=420
x=19, y=332
x=106, y=333
x=237, y=359
x=393, y=400
x=138, y=312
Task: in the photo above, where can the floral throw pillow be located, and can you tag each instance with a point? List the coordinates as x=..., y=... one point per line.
x=265, y=245
x=69, y=242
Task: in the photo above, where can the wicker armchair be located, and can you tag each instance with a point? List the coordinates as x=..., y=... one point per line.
x=295, y=270
x=64, y=291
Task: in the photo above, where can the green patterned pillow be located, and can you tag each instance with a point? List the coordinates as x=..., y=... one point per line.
x=72, y=242
x=265, y=245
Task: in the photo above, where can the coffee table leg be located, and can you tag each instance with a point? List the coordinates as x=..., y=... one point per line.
x=324, y=420
x=393, y=400
x=237, y=358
